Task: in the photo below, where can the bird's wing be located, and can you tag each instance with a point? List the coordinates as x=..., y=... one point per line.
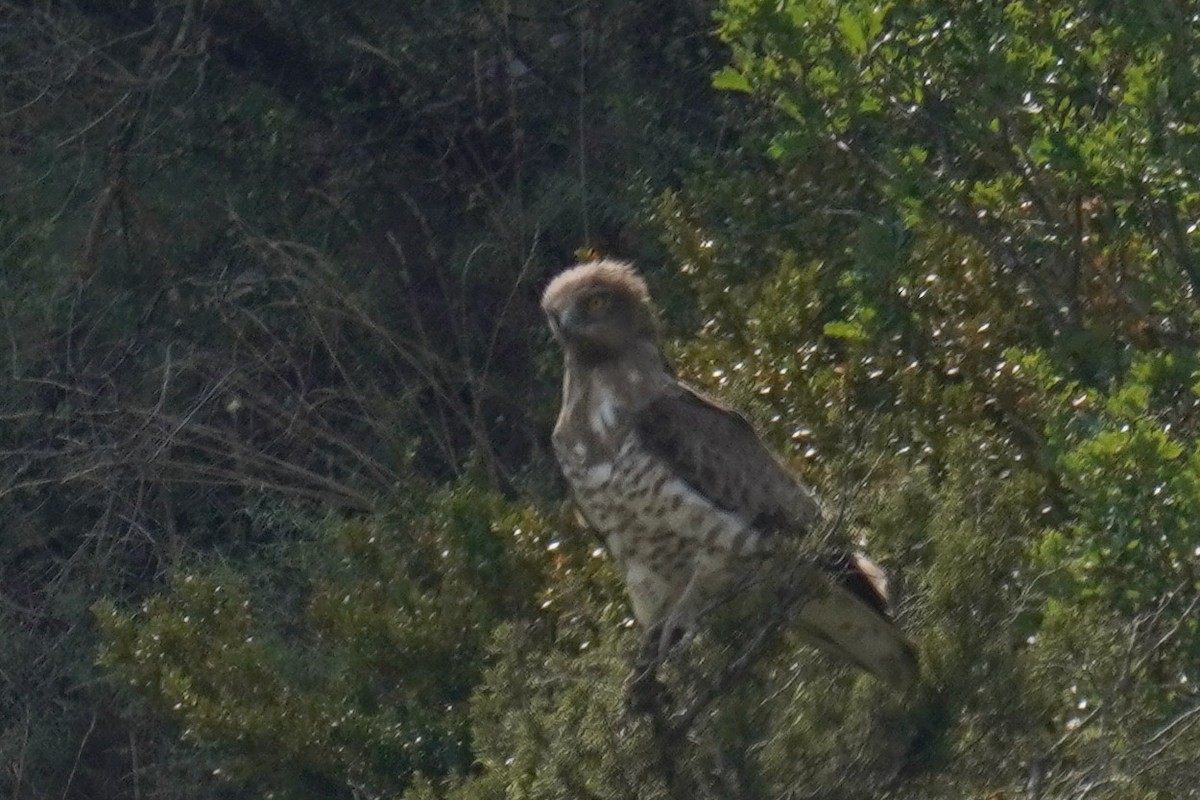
x=714, y=450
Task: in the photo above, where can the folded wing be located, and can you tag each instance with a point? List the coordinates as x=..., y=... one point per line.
x=718, y=454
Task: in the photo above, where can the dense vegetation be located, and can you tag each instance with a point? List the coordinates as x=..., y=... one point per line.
x=278, y=512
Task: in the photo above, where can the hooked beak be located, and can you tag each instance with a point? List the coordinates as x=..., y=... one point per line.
x=563, y=323
x=555, y=320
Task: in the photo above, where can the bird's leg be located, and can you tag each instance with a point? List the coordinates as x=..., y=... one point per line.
x=647, y=659
x=670, y=632
x=682, y=617
x=646, y=692
x=645, y=689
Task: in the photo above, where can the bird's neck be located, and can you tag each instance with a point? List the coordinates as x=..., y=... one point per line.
x=641, y=371
x=600, y=397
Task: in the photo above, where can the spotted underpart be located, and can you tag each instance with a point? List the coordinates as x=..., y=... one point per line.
x=661, y=532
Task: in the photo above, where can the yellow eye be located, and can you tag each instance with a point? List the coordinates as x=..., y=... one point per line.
x=597, y=304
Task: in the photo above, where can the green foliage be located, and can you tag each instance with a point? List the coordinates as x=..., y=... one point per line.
x=262, y=260
x=356, y=670
x=1135, y=492
x=968, y=269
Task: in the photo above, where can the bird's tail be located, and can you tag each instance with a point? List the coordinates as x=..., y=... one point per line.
x=847, y=614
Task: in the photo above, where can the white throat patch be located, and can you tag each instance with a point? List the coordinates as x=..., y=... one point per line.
x=602, y=414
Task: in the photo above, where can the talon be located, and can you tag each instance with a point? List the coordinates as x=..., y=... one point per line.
x=645, y=692
x=669, y=635
x=648, y=655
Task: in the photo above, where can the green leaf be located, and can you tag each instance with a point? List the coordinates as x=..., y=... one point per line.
x=789, y=144
x=731, y=80
x=843, y=329
x=853, y=32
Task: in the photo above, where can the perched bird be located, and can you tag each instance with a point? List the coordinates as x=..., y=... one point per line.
x=687, y=498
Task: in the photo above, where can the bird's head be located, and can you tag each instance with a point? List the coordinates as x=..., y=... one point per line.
x=600, y=310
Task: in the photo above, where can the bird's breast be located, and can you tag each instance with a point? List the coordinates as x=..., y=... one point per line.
x=634, y=496
x=591, y=427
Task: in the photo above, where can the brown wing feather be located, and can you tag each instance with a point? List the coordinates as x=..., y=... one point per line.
x=716, y=451
x=862, y=577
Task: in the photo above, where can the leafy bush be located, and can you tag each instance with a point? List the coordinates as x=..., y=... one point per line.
x=347, y=664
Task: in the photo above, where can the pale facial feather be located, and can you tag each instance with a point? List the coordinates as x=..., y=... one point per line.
x=568, y=286
x=600, y=311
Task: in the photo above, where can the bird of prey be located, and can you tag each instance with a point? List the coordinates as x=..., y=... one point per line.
x=687, y=498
